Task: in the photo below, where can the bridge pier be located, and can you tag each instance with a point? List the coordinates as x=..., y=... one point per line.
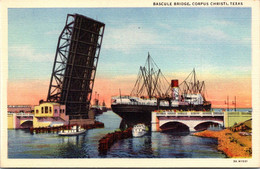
x=155, y=122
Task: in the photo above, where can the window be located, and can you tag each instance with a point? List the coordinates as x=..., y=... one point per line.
x=37, y=111
x=55, y=111
x=42, y=109
x=46, y=109
x=50, y=110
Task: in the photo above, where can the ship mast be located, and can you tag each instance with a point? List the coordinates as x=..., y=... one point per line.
x=193, y=86
x=149, y=76
x=150, y=81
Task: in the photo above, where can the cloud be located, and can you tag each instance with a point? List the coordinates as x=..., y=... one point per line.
x=165, y=26
x=212, y=35
x=29, y=53
x=163, y=36
x=129, y=38
x=222, y=22
x=205, y=34
x=53, y=32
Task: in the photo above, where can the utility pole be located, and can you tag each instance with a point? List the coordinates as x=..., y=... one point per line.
x=227, y=103
x=235, y=103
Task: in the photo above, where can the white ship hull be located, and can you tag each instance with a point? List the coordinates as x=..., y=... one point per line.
x=139, y=130
x=73, y=132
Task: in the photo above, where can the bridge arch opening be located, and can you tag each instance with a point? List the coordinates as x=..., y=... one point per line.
x=176, y=127
x=207, y=125
x=27, y=124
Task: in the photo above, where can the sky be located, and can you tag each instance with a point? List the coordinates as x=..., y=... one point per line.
x=214, y=41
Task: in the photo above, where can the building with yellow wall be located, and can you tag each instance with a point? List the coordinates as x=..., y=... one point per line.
x=11, y=121
x=50, y=114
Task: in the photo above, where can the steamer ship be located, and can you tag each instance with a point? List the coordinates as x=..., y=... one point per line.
x=153, y=92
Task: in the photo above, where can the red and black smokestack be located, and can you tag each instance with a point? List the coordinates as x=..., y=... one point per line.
x=175, y=89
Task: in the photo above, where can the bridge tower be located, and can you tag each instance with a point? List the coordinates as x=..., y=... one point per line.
x=75, y=65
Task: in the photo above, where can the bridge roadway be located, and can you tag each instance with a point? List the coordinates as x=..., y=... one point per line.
x=194, y=119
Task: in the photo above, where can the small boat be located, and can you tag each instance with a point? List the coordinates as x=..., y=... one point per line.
x=74, y=131
x=139, y=130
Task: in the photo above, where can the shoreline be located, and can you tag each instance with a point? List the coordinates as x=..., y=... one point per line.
x=230, y=143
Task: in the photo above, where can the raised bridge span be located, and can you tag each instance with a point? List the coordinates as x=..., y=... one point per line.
x=195, y=120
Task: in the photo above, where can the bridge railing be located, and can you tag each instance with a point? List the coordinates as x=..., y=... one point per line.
x=239, y=113
x=24, y=114
x=189, y=113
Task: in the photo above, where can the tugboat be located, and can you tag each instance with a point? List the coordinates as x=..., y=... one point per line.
x=139, y=130
x=74, y=131
x=152, y=92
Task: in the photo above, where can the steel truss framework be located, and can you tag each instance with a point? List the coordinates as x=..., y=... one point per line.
x=75, y=65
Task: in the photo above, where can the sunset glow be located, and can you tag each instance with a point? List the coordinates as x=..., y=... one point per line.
x=217, y=91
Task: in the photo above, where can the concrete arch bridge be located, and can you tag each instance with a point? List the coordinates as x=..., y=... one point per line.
x=20, y=120
x=186, y=121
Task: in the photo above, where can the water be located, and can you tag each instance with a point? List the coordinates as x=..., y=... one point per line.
x=21, y=144
x=232, y=109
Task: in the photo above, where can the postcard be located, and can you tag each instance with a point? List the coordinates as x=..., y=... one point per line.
x=130, y=84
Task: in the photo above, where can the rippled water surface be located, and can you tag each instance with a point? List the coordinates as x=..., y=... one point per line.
x=21, y=144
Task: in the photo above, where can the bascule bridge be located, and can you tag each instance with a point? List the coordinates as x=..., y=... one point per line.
x=75, y=66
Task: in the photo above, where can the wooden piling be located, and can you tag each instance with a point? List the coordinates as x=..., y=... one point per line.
x=109, y=139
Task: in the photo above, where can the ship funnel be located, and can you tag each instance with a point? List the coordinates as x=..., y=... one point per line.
x=175, y=89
